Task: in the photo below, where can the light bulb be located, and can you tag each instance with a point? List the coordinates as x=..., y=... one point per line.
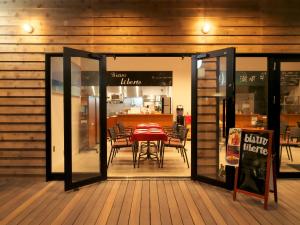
x=206, y=27
x=27, y=28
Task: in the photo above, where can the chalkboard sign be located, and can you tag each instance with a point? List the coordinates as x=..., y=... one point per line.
x=255, y=164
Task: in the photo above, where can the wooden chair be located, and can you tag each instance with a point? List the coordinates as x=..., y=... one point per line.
x=283, y=138
x=118, y=143
x=178, y=143
x=293, y=140
x=126, y=131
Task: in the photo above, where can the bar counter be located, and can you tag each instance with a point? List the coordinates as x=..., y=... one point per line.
x=131, y=120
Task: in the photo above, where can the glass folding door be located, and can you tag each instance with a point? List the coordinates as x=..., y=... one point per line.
x=289, y=127
x=213, y=113
x=84, y=118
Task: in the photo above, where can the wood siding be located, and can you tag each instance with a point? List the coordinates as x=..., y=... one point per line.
x=116, y=26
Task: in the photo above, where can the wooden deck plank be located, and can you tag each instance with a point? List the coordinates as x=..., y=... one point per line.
x=253, y=212
x=72, y=217
x=39, y=201
x=183, y=209
x=11, y=191
x=211, y=207
x=145, y=204
x=196, y=215
x=102, y=219
x=154, y=204
x=90, y=204
x=17, y=199
x=93, y=216
x=134, y=218
x=116, y=209
x=223, y=209
x=240, y=209
x=46, y=207
x=237, y=214
x=69, y=207
x=165, y=216
x=174, y=210
x=20, y=207
x=207, y=217
x=125, y=211
x=55, y=209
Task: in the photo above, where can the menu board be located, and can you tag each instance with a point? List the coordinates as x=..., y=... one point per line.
x=253, y=161
x=233, y=147
x=255, y=164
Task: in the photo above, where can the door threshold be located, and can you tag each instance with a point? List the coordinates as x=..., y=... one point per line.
x=149, y=178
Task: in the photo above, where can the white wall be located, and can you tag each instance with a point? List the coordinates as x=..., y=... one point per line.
x=181, y=90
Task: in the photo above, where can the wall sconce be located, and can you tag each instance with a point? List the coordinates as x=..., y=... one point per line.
x=206, y=27
x=28, y=28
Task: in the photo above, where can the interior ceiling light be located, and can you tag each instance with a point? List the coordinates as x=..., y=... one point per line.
x=28, y=28
x=206, y=27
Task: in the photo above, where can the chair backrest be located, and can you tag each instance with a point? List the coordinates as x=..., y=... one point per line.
x=112, y=134
x=295, y=133
x=116, y=129
x=283, y=128
x=182, y=134
x=121, y=127
x=185, y=135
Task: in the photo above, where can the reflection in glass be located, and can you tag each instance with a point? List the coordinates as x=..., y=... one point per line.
x=289, y=117
x=57, y=114
x=211, y=124
x=85, y=118
x=251, y=93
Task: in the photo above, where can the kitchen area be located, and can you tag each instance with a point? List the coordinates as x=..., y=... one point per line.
x=139, y=96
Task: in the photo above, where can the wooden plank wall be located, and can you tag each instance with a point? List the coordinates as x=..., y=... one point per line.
x=115, y=26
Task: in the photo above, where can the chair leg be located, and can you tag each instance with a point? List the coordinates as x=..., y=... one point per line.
x=182, y=154
x=291, y=156
x=187, y=161
x=138, y=160
x=287, y=152
x=133, y=155
x=162, y=157
x=110, y=156
x=157, y=156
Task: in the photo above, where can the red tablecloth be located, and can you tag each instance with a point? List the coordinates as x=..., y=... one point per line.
x=147, y=125
x=149, y=134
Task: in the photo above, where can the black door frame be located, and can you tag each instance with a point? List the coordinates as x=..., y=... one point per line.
x=273, y=109
x=276, y=108
x=50, y=175
x=67, y=74
x=230, y=110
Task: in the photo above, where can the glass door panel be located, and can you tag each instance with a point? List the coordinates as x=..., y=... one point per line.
x=251, y=92
x=213, y=88
x=289, y=152
x=84, y=146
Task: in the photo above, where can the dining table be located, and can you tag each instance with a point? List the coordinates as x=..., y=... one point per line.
x=149, y=132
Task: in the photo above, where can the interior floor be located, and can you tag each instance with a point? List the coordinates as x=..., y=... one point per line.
x=287, y=165
x=174, y=166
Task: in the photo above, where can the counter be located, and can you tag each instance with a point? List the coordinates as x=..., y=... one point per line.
x=245, y=120
x=131, y=120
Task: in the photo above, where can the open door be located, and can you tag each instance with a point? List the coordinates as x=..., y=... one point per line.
x=213, y=113
x=85, y=124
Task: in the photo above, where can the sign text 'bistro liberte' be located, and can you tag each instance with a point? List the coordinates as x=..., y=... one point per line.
x=139, y=78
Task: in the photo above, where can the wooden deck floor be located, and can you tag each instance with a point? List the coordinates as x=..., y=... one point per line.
x=141, y=202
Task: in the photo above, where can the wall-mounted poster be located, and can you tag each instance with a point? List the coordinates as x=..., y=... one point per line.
x=233, y=147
